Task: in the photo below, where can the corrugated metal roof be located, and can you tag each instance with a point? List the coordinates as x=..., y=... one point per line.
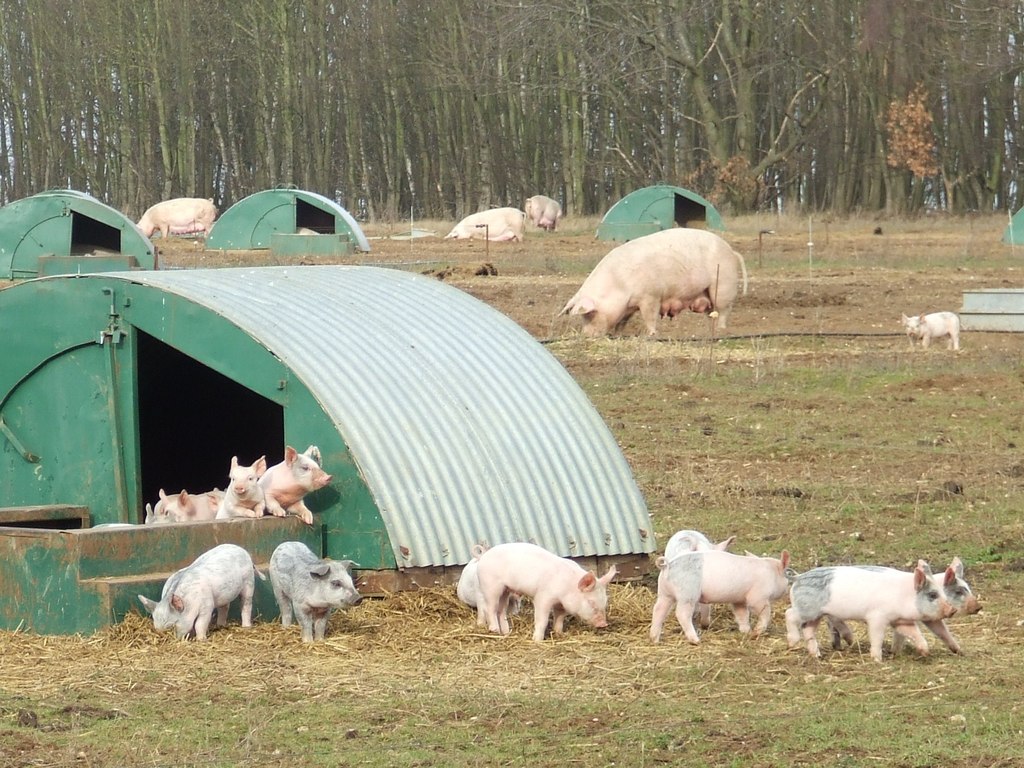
x=464, y=428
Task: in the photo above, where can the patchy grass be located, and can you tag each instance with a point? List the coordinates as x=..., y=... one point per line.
x=813, y=427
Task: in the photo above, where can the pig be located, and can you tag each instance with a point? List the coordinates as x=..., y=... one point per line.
x=212, y=581
x=933, y=326
x=180, y=216
x=185, y=507
x=958, y=593
x=543, y=212
x=881, y=597
x=309, y=587
x=660, y=275
x=496, y=224
x=557, y=585
x=468, y=588
x=244, y=497
x=747, y=583
x=695, y=541
x=286, y=484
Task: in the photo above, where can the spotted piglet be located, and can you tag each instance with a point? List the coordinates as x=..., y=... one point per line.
x=748, y=583
x=310, y=588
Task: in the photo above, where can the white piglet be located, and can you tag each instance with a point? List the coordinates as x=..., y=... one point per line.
x=557, y=585
x=244, y=497
x=748, y=583
x=310, y=588
x=285, y=485
x=211, y=582
x=936, y=325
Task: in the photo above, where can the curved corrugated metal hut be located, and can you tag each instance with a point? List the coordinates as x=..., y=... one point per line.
x=652, y=209
x=63, y=231
x=442, y=421
x=254, y=221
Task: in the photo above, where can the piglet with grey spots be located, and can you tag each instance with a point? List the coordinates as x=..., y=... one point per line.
x=309, y=587
x=881, y=597
x=748, y=583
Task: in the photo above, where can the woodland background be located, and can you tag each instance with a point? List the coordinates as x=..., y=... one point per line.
x=436, y=108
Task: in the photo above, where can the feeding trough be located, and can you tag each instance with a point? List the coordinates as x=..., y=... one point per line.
x=67, y=232
x=289, y=222
x=442, y=422
x=652, y=209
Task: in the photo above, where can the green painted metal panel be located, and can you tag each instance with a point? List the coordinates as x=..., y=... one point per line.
x=65, y=223
x=310, y=245
x=655, y=208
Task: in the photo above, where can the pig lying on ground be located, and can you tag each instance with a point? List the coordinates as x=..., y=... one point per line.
x=747, y=583
x=557, y=585
x=497, y=224
x=695, y=541
x=284, y=485
x=468, y=588
x=933, y=326
x=958, y=593
x=185, y=507
x=543, y=212
x=310, y=587
x=660, y=275
x=212, y=581
x=180, y=216
x=881, y=597
x=244, y=497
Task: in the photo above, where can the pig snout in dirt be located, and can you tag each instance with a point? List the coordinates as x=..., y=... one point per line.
x=244, y=497
x=936, y=325
x=557, y=585
x=310, y=588
x=880, y=597
x=660, y=275
x=285, y=485
x=749, y=584
x=210, y=583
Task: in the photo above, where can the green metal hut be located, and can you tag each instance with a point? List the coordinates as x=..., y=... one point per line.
x=67, y=232
x=652, y=209
x=442, y=422
x=287, y=221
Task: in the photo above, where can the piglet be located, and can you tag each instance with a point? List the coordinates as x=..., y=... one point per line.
x=284, y=485
x=468, y=588
x=557, y=585
x=748, y=583
x=695, y=541
x=212, y=581
x=958, y=593
x=309, y=587
x=184, y=507
x=881, y=597
x=244, y=497
x=933, y=326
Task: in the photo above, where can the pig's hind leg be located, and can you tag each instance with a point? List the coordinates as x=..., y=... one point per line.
x=684, y=615
x=662, y=606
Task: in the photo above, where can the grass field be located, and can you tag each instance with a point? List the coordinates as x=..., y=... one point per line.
x=812, y=427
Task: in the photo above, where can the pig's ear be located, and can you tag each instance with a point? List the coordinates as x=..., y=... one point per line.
x=234, y=463
x=957, y=566
x=320, y=571
x=920, y=577
x=785, y=560
x=162, y=494
x=289, y=455
x=588, y=582
x=950, y=577
x=584, y=306
x=609, y=576
x=177, y=603
x=261, y=466
x=148, y=604
x=724, y=545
